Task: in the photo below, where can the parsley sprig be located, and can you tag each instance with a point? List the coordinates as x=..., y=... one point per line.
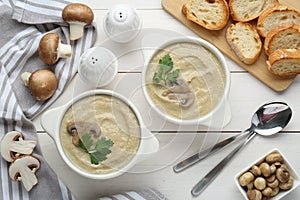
x=165, y=71
x=99, y=152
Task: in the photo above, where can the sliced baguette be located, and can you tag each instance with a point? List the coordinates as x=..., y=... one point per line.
x=248, y=10
x=210, y=14
x=284, y=62
x=274, y=16
x=245, y=41
x=286, y=36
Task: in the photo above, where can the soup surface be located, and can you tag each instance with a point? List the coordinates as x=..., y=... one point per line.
x=201, y=72
x=117, y=122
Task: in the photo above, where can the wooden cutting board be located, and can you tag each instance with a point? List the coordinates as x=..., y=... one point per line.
x=258, y=69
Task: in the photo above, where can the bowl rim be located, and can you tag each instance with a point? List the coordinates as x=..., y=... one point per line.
x=281, y=193
x=220, y=58
x=85, y=173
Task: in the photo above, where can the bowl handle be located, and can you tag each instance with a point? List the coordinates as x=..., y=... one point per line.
x=150, y=145
x=50, y=120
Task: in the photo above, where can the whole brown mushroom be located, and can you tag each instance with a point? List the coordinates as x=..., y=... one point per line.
x=246, y=178
x=265, y=169
x=77, y=15
x=254, y=195
x=274, y=157
x=51, y=49
x=260, y=183
x=42, y=83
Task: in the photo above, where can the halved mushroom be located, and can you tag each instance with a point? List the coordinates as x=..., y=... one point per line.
x=255, y=170
x=288, y=185
x=13, y=145
x=23, y=169
x=270, y=192
x=273, y=184
x=271, y=178
x=78, y=128
x=77, y=15
x=42, y=83
x=180, y=91
x=51, y=49
x=282, y=174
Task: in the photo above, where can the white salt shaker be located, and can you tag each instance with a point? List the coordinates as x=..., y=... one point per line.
x=122, y=23
x=98, y=66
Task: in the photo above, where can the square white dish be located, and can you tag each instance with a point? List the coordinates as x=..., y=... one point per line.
x=281, y=193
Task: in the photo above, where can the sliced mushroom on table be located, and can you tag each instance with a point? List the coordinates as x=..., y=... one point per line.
x=51, y=49
x=23, y=169
x=77, y=15
x=42, y=83
x=13, y=145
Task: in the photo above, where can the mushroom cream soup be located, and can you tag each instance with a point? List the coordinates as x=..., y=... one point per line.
x=117, y=122
x=200, y=72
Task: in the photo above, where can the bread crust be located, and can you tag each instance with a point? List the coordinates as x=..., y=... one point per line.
x=235, y=13
x=237, y=49
x=271, y=36
x=273, y=10
x=217, y=25
x=282, y=55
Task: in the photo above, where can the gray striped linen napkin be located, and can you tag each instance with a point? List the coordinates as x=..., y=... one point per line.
x=146, y=194
x=23, y=23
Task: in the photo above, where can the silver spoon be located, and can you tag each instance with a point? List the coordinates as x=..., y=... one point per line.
x=269, y=119
x=190, y=161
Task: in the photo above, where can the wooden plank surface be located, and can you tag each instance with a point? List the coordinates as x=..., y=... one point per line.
x=258, y=69
x=158, y=172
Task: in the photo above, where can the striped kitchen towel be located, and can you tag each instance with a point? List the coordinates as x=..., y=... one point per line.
x=23, y=23
x=147, y=194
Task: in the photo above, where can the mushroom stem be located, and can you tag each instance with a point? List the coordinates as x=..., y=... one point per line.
x=25, y=77
x=76, y=30
x=64, y=50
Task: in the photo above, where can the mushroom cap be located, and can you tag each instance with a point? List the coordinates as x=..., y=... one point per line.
x=42, y=84
x=78, y=12
x=6, y=140
x=48, y=48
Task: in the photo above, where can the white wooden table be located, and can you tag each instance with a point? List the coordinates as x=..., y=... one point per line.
x=246, y=95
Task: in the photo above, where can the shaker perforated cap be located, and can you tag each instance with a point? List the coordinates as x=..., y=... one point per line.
x=98, y=66
x=122, y=23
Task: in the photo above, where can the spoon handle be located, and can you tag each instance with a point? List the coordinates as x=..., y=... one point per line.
x=201, y=185
x=188, y=162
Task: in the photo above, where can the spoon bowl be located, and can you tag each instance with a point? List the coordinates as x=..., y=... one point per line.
x=271, y=118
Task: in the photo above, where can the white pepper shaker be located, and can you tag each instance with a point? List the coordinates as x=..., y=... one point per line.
x=122, y=23
x=98, y=66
